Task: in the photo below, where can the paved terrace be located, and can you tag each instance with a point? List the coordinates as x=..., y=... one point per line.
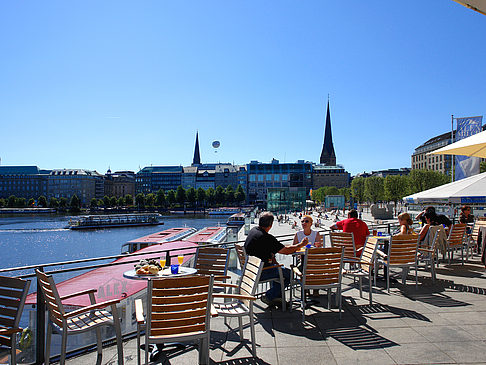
x=441, y=323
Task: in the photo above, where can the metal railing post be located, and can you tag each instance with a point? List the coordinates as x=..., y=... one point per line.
x=167, y=258
x=41, y=325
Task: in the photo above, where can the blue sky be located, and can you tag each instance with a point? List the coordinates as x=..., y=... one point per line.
x=126, y=84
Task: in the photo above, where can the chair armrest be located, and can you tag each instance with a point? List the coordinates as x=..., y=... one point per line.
x=9, y=331
x=296, y=271
x=214, y=312
x=87, y=291
x=425, y=249
x=272, y=267
x=359, y=249
x=221, y=277
x=234, y=296
x=380, y=253
x=139, y=311
x=351, y=261
x=225, y=285
x=92, y=307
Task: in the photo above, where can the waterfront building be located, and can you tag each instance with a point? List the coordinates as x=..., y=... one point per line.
x=85, y=184
x=152, y=178
x=264, y=176
x=421, y=159
x=384, y=173
x=23, y=182
x=123, y=183
x=324, y=175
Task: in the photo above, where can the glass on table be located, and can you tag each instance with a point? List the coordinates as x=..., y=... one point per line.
x=180, y=259
x=162, y=262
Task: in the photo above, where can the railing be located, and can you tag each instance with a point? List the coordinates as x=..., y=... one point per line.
x=172, y=253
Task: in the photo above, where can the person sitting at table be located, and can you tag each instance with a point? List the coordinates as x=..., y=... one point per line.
x=405, y=225
x=431, y=219
x=313, y=237
x=466, y=216
x=440, y=218
x=356, y=226
x=263, y=245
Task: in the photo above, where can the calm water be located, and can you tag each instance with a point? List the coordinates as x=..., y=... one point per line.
x=42, y=239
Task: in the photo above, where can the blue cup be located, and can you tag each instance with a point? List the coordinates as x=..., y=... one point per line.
x=309, y=245
x=174, y=269
x=379, y=233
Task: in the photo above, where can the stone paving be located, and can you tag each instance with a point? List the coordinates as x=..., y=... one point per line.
x=441, y=323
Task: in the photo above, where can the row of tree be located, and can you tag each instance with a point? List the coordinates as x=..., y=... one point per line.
x=15, y=202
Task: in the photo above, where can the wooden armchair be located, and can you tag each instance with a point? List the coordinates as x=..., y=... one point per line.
x=13, y=292
x=79, y=320
x=345, y=240
x=455, y=241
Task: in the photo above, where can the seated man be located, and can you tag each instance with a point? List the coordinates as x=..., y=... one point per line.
x=263, y=245
x=355, y=225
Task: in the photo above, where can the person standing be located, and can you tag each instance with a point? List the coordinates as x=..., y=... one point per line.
x=263, y=245
x=356, y=226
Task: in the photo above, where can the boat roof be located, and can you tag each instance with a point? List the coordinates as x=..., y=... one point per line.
x=162, y=236
x=110, y=281
x=238, y=215
x=206, y=234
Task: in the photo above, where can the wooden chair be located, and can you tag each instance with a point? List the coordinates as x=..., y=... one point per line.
x=241, y=304
x=402, y=253
x=13, y=292
x=322, y=269
x=475, y=232
x=212, y=261
x=79, y=320
x=455, y=241
x=240, y=252
x=346, y=240
x=364, y=266
x=427, y=252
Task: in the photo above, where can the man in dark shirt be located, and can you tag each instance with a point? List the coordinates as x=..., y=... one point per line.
x=263, y=245
x=441, y=218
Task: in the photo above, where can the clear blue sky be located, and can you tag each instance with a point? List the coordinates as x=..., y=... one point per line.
x=123, y=84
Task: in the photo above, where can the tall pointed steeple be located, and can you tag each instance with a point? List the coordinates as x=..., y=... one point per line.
x=328, y=156
x=197, y=157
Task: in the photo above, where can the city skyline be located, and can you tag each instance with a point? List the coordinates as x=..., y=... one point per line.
x=123, y=86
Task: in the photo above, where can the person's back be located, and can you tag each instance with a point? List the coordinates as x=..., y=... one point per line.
x=356, y=226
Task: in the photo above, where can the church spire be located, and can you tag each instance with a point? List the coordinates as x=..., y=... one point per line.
x=328, y=156
x=197, y=157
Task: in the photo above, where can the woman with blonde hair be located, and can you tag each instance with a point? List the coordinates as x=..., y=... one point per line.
x=405, y=224
x=312, y=237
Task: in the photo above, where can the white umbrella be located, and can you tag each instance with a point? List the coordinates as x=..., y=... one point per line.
x=470, y=146
x=478, y=5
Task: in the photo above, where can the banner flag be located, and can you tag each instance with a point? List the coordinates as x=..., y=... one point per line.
x=467, y=166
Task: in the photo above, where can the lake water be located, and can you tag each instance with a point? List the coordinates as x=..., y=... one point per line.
x=32, y=240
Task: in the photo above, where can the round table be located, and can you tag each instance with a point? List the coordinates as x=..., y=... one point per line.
x=183, y=271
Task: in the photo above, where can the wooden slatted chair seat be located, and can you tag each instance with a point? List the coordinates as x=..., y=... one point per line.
x=345, y=240
x=78, y=320
x=178, y=309
x=322, y=269
x=13, y=293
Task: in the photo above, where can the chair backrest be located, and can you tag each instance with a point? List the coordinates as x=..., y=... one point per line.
x=51, y=296
x=456, y=235
x=250, y=277
x=368, y=254
x=436, y=237
x=211, y=261
x=323, y=266
x=403, y=249
x=475, y=231
x=240, y=252
x=346, y=240
x=13, y=292
x=179, y=306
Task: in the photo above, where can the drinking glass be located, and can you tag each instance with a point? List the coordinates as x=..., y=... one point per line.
x=180, y=258
x=174, y=269
x=162, y=262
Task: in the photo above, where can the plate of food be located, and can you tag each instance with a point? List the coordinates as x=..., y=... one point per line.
x=147, y=267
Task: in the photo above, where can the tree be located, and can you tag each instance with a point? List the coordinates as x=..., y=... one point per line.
x=374, y=189
x=229, y=194
x=106, y=201
x=42, y=201
x=191, y=195
x=318, y=195
x=93, y=203
x=420, y=180
x=210, y=196
x=140, y=200
x=113, y=201
x=357, y=189
x=120, y=202
x=12, y=201
x=75, y=204
x=219, y=196
x=395, y=188
x=482, y=166
x=101, y=203
x=240, y=195
x=53, y=202
x=128, y=200
x=63, y=202
x=2, y=202
x=200, y=196
x=346, y=192
x=180, y=194
x=160, y=198
x=171, y=197
x=31, y=202
x=150, y=200
x=21, y=202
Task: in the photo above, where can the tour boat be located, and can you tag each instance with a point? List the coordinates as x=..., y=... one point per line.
x=236, y=220
x=114, y=220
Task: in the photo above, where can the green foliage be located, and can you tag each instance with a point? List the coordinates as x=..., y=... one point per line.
x=319, y=195
x=374, y=189
x=42, y=201
x=211, y=196
x=358, y=189
x=12, y=201
x=140, y=200
x=229, y=194
x=180, y=194
x=53, y=203
x=171, y=197
x=191, y=195
x=93, y=203
x=101, y=203
x=219, y=196
x=160, y=198
x=75, y=204
x=106, y=201
x=21, y=202
x=2, y=203
x=482, y=166
x=420, y=180
x=113, y=201
x=240, y=195
x=120, y=202
x=396, y=187
x=150, y=200
x=346, y=192
x=200, y=196
x=31, y=202
x=128, y=200
x=63, y=202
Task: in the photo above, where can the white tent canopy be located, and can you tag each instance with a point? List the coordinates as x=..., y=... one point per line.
x=478, y=5
x=471, y=190
x=470, y=146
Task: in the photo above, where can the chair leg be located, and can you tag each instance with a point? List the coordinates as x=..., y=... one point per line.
x=119, y=339
x=370, y=287
x=388, y=279
x=292, y=283
x=240, y=324
x=138, y=344
x=328, y=298
x=338, y=294
x=63, y=348
x=146, y=348
x=282, y=286
x=13, y=350
x=302, y=302
x=360, y=287
x=252, y=332
x=48, y=343
x=99, y=344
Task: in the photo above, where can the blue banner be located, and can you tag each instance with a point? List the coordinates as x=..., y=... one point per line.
x=467, y=166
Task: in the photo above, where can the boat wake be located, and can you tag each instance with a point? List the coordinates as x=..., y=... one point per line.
x=33, y=230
